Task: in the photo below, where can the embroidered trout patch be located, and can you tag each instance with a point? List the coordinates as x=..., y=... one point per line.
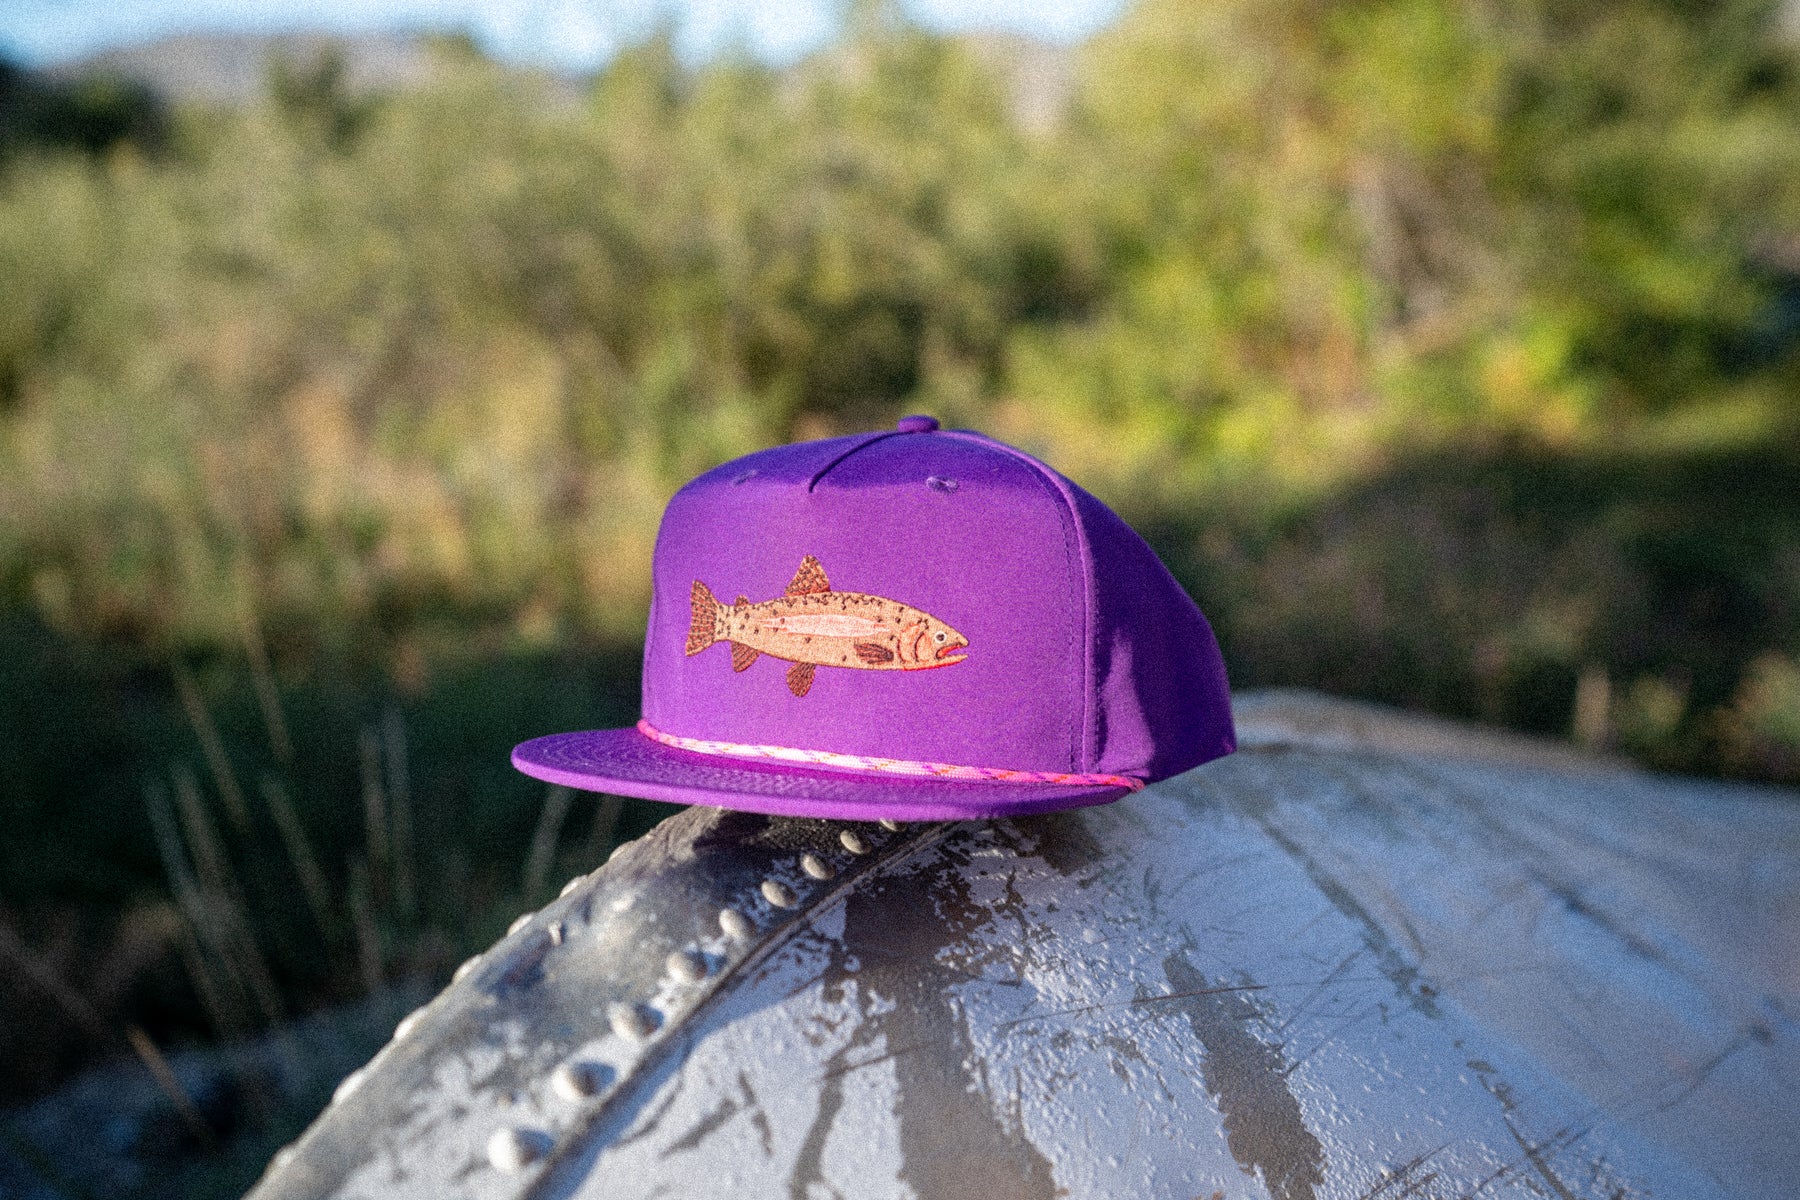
x=811, y=626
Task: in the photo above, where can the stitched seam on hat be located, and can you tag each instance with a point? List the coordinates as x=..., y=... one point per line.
x=1073, y=536
x=870, y=440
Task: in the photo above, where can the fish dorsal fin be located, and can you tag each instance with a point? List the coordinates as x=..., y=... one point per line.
x=809, y=579
x=743, y=602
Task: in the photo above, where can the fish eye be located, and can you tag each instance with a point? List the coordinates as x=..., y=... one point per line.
x=940, y=635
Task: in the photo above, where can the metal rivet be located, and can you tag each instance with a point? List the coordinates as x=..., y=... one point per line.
x=890, y=826
x=779, y=894
x=689, y=966
x=519, y=922
x=815, y=866
x=571, y=886
x=575, y=1080
x=734, y=923
x=349, y=1084
x=515, y=1149
x=854, y=842
x=633, y=1021
x=407, y=1024
x=938, y=483
x=468, y=964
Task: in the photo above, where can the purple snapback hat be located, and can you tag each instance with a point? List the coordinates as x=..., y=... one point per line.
x=920, y=624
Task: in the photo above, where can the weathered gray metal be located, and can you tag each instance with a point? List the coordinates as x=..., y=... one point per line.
x=1366, y=956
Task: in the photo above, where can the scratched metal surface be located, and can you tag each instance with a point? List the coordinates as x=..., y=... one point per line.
x=1366, y=956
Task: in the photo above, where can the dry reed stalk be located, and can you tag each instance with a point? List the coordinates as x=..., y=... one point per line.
x=262, y=676
x=543, y=839
x=75, y=1006
x=368, y=937
x=400, y=812
x=210, y=745
x=299, y=852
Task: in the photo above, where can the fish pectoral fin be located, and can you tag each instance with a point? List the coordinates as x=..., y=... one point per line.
x=809, y=579
x=872, y=653
x=742, y=656
x=800, y=677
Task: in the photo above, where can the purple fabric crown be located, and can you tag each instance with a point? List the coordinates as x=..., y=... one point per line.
x=918, y=625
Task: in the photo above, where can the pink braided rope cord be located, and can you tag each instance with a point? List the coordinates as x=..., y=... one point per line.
x=890, y=766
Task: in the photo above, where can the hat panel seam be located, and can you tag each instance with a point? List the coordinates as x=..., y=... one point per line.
x=1075, y=551
x=870, y=440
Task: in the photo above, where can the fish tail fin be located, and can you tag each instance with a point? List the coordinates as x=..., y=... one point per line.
x=704, y=630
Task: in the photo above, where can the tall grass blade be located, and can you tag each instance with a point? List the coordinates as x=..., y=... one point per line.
x=375, y=821
x=208, y=735
x=368, y=935
x=543, y=840
x=234, y=935
x=400, y=812
x=300, y=853
x=604, y=830
x=203, y=844
x=262, y=676
x=222, y=1009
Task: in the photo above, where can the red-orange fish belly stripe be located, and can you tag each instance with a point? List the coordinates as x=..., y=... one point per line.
x=890, y=766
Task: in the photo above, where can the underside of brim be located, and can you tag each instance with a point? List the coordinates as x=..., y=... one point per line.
x=624, y=762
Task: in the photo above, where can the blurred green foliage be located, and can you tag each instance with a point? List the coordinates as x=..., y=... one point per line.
x=1447, y=351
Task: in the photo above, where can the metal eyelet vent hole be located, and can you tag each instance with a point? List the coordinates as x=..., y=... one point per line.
x=816, y=867
x=939, y=483
x=516, y=1149
x=735, y=924
x=744, y=477
x=778, y=893
x=890, y=826
x=854, y=842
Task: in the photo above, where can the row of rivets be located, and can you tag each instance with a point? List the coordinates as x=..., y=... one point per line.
x=513, y=1148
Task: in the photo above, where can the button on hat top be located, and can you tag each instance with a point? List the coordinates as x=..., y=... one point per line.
x=892, y=652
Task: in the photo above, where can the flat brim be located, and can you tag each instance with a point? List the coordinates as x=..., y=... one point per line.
x=624, y=762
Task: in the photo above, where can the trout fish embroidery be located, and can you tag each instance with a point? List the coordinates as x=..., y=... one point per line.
x=811, y=626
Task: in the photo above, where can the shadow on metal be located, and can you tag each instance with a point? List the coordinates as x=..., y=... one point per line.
x=1367, y=956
